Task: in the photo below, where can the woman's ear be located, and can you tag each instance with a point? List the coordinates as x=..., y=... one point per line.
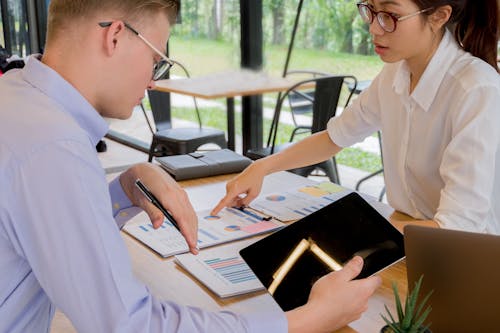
x=440, y=17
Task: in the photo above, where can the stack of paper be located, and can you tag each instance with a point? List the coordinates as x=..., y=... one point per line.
x=223, y=273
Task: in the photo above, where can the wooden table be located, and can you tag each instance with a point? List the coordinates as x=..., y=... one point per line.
x=228, y=85
x=167, y=281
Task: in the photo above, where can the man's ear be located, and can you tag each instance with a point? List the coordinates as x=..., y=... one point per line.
x=440, y=17
x=112, y=35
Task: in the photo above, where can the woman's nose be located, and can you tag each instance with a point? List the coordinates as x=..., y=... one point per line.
x=151, y=85
x=375, y=28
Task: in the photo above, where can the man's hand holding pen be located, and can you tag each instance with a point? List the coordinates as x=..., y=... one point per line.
x=161, y=192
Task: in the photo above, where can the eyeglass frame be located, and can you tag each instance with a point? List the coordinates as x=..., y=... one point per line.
x=393, y=16
x=157, y=74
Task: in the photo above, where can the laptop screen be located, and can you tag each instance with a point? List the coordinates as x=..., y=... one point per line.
x=462, y=269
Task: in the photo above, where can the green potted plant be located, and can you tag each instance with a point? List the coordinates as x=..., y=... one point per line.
x=410, y=320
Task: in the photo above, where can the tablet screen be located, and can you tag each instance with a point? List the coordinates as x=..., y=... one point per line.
x=289, y=261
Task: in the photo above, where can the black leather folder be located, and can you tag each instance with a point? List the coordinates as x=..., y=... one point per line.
x=203, y=164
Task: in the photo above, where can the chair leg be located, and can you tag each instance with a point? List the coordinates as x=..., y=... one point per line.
x=221, y=142
x=152, y=150
x=150, y=156
x=362, y=180
x=293, y=134
x=335, y=170
x=381, y=196
x=304, y=171
x=330, y=169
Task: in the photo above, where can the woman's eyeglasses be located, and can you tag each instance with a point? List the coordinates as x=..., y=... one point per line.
x=387, y=21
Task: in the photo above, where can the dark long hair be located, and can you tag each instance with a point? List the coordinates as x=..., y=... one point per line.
x=474, y=24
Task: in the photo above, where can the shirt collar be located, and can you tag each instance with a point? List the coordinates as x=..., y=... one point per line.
x=54, y=86
x=433, y=75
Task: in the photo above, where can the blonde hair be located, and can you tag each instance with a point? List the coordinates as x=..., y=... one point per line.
x=64, y=12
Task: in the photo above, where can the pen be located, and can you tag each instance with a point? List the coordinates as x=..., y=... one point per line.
x=150, y=196
x=244, y=210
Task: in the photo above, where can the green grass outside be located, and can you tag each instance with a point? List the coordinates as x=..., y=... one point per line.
x=203, y=56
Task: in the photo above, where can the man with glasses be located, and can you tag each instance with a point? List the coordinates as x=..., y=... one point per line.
x=60, y=244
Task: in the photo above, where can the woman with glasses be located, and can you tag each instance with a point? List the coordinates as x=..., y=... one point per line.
x=436, y=102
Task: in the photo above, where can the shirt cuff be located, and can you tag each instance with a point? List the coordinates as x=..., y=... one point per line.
x=123, y=210
x=273, y=321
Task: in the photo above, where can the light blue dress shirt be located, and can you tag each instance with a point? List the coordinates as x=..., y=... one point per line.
x=60, y=245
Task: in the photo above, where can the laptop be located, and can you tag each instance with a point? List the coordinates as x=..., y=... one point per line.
x=463, y=270
x=289, y=261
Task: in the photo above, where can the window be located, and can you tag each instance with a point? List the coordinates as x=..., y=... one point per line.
x=15, y=36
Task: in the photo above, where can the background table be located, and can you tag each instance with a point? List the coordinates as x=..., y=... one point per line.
x=168, y=281
x=228, y=85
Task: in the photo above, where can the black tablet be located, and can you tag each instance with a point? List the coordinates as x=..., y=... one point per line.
x=289, y=261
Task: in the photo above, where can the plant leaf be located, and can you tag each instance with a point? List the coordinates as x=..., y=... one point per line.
x=396, y=329
x=411, y=301
x=425, y=328
x=412, y=329
x=393, y=326
x=422, y=304
x=387, y=321
x=421, y=320
x=390, y=315
x=407, y=318
x=398, y=302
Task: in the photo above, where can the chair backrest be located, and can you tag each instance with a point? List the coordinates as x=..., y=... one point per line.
x=300, y=102
x=160, y=106
x=326, y=98
x=327, y=93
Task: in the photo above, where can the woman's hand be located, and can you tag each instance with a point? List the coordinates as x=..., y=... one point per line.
x=242, y=189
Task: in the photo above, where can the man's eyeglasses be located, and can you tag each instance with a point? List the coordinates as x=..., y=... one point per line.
x=161, y=67
x=387, y=21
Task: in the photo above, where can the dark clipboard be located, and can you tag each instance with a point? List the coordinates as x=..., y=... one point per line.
x=203, y=164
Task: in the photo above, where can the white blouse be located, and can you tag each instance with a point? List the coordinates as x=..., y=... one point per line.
x=441, y=143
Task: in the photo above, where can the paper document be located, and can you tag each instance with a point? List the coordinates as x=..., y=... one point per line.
x=298, y=202
x=223, y=273
x=230, y=224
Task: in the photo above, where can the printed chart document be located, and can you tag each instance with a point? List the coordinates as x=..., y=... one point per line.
x=221, y=270
x=298, y=202
x=230, y=224
x=285, y=197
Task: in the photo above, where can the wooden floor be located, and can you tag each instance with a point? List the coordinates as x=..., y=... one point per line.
x=119, y=157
